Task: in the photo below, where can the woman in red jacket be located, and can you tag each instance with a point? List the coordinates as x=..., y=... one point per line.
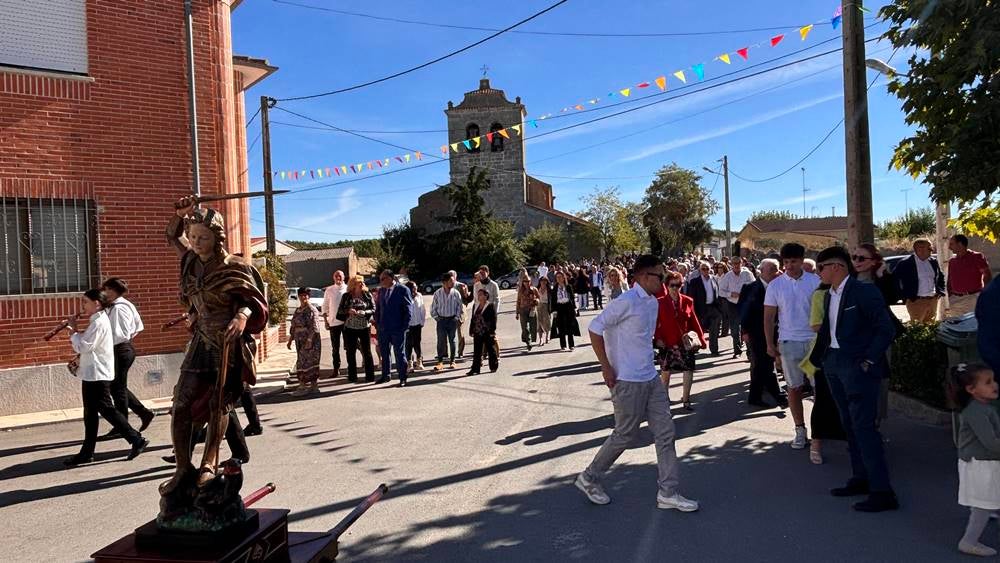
x=676, y=318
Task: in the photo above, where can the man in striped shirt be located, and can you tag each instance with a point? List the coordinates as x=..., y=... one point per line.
x=446, y=308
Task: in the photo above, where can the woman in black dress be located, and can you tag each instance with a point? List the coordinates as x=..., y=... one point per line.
x=563, y=307
x=825, y=418
x=483, y=329
x=581, y=283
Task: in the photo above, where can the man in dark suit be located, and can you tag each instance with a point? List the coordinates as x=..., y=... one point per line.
x=852, y=341
x=704, y=290
x=921, y=282
x=751, y=307
x=988, y=316
x=392, y=319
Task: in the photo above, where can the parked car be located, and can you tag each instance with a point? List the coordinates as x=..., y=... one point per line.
x=315, y=297
x=510, y=280
x=892, y=261
x=428, y=287
x=372, y=282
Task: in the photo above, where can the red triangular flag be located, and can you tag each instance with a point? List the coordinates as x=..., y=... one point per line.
x=642, y=85
x=744, y=52
x=777, y=39
x=296, y=174
x=379, y=163
x=337, y=170
x=399, y=158
x=489, y=137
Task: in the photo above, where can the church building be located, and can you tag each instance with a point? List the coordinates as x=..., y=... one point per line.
x=514, y=195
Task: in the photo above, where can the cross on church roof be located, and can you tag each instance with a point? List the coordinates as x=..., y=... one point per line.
x=485, y=70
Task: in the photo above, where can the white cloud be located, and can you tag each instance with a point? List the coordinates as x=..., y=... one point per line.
x=345, y=203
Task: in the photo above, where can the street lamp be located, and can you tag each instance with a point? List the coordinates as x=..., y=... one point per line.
x=882, y=67
x=725, y=176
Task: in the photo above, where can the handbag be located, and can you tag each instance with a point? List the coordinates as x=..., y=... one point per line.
x=690, y=341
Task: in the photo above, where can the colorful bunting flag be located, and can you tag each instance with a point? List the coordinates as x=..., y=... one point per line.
x=534, y=124
x=744, y=52
x=625, y=91
x=454, y=147
x=468, y=145
x=418, y=155
x=353, y=169
x=489, y=137
x=369, y=165
x=327, y=172
x=642, y=85
x=475, y=140
x=662, y=82
x=282, y=175
x=724, y=57
x=387, y=161
x=444, y=149
x=578, y=107
x=406, y=157
x=680, y=76
x=361, y=166
x=344, y=168
x=836, y=21
x=777, y=39
x=516, y=128
x=504, y=134
x=401, y=160
x=804, y=31
x=337, y=170
x=699, y=69
x=379, y=162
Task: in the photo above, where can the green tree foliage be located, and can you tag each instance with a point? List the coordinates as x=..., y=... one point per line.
x=368, y=247
x=916, y=223
x=952, y=96
x=273, y=274
x=771, y=215
x=677, y=209
x=545, y=244
x=617, y=224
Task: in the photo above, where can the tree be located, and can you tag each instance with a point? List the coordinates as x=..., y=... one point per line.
x=631, y=233
x=545, y=244
x=677, y=209
x=952, y=95
x=909, y=225
x=273, y=273
x=617, y=224
x=771, y=215
x=368, y=247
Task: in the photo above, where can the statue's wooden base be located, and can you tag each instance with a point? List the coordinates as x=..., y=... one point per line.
x=269, y=541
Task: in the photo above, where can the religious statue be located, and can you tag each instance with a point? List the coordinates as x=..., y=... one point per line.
x=223, y=297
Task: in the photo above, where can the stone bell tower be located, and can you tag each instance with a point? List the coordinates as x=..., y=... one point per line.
x=482, y=111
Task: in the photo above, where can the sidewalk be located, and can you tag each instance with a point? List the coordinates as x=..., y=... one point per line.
x=271, y=378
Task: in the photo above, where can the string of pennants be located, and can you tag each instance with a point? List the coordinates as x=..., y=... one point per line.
x=695, y=72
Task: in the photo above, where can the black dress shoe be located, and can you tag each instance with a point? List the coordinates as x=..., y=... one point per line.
x=852, y=489
x=137, y=448
x=169, y=458
x=146, y=420
x=111, y=435
x=77, y=460
x=401, y=384
x=471, y=372
x=878, y=502
x=253, y=430
x=381, y=380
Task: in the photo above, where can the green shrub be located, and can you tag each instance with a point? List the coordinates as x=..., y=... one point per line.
x=919, y=362
x=273, y=274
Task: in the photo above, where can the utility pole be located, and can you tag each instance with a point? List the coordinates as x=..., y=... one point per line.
x=906, y=198
x=804, y=190
x=729, y=231
x=860, y=225
x=265, y=142
x=833, y=211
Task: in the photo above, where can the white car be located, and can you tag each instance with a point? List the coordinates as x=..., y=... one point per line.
x=315, y=297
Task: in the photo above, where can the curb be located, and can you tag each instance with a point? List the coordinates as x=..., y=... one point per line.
x=918, y=411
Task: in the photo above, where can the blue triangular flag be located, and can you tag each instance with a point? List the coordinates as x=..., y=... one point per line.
x=835, y=21
x=699, y=69
x=467, y=144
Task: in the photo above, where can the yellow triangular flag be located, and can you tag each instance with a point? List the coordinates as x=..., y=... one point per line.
x=680, y=76
x=504, y=134
x=804, y=31
x=662, y=82
x=516, y=128
x=343, y=169
x=406, y=157
x=724, y=58
x=625, y=92
x=477, y=142
x=454, y=147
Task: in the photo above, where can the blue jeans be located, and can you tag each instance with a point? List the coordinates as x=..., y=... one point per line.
x=395, y=341
x=446, y=328
x=856, y=393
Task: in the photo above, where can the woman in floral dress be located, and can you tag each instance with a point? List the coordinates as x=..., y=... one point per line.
x=305, y=334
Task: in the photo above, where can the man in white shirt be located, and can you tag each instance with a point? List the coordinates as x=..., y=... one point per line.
x=788, y=301
x=730, y=286
x=622, y=338
x=126, y=324
x=331, y=302
x=543, y=271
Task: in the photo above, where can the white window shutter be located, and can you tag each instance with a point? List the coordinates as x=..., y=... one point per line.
x=44, y=34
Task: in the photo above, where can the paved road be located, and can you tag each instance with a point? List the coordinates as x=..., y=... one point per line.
x=481, y=469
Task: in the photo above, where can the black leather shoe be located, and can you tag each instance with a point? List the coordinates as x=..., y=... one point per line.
x=471, y=372
x=878, y=502
x=783, y=402
x=401, y=384
x=381, y=380
x=146, y=421
x=169, y=458
x=77, y=460
x=852, y=489
x=111, y=435
x=137, y=448
x=253, y=430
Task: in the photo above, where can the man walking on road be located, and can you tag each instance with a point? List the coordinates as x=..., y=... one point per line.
x=331, y=302
x=762, y=377
x=446, y=307
x=704, y=289
x=392, y=320
x=622, y=338
x=788, y=300
x=730, y=286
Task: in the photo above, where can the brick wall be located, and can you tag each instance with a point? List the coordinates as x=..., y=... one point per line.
x=121, y=134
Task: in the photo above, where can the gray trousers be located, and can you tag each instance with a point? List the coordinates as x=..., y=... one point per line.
x=635, y=402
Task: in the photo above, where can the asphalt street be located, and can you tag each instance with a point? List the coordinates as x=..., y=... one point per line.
x=481, y=469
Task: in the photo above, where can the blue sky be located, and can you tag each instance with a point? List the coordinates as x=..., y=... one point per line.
x=764, y=124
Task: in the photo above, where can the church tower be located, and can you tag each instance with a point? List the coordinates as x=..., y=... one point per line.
x=483, y=111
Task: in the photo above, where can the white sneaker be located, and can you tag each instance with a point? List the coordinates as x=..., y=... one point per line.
x=799, y=443
x=592, y=489
x=676, y=502
x=976, y=549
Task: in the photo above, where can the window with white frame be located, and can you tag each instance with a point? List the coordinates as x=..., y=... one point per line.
x=44, y=35
x=47, y=245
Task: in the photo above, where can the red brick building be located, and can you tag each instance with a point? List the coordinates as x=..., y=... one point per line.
x=94, y=149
